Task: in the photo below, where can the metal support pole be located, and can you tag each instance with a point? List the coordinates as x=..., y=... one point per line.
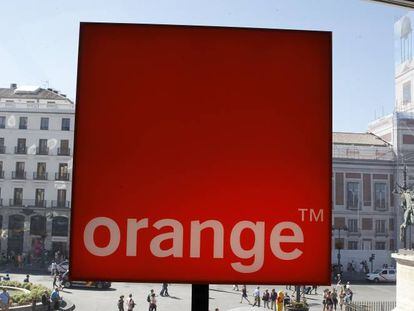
x=199, y=297
x=297, y=288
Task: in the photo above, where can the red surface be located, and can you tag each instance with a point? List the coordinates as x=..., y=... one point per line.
x=199, y=123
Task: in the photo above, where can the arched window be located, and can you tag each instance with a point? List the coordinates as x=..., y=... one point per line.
x=38, y=225
x=406, y=40
x=60, y=226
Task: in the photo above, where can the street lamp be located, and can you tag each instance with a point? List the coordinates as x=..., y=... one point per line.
x=338, y=245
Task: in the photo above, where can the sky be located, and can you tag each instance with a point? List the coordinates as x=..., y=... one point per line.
x=39, y=41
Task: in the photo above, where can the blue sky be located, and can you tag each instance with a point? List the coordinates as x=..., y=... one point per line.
x=40, y=38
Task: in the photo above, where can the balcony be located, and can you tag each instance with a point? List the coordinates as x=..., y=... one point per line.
x=60, y=204
x=42, y=151
x=18, y=175
x=40, y=176
x=62, y=176
x=2, y=149
x=63, y=151
x=27, y=203
x=383, y=233
x=355, y=233
x=20, y=150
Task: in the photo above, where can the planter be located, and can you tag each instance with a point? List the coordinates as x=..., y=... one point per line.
x=297, y=308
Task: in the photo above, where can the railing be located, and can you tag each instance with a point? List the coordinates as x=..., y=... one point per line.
x=18, y=175
x=63, y=151
x=2, y=149
x=353, y=233
x=42, y=151
x=60, y=204
x=362, y=152
x=370, y=306
x=27, y=203
x=62, y=176
x=40, y=176
x=381, y=233
x=20, y=150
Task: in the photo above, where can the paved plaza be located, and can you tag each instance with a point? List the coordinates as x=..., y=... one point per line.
x=221, y=296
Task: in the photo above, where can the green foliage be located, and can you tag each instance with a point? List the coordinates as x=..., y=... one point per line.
x=20, y=298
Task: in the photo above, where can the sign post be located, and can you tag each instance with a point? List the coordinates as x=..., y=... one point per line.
x=202, y=155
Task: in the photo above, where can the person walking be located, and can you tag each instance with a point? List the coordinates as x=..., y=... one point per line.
x=121, y=303
x=130, y=303
x=5, y=300
x=329, y=301
x=244, y=294
x=341, y=298
x=153, y=303
x=256, y=295
x=164, y=290
x=280, y=300
x=266, y=299
x=273, y=298
x=334, y=298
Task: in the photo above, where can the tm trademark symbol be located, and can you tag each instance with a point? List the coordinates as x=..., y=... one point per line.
x=311, y=214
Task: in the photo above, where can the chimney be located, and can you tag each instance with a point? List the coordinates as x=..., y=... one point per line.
x=13, y=86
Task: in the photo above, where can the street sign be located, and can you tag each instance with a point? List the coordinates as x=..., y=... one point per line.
x=202, y=155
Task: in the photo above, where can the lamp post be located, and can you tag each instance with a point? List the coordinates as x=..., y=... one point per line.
x=339, y=245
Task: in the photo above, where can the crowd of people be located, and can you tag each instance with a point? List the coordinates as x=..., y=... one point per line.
x=129, y=304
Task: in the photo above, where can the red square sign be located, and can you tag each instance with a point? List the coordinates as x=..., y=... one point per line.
x=202, y=155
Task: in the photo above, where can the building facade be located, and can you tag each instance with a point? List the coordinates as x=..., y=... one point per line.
x=36, y=145
x=367, y=169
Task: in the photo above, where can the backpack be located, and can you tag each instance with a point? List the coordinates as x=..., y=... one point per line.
x=149, y=298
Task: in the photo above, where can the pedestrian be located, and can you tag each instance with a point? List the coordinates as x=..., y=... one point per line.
x=53, y=268
x=55, y=299
x=347, y=297
x=46, y=300
x=341, y=298
x=266, y=299
x=5, y=300
x=153, y=303
x=256, y=295
x=164, y=290
x=325, y=295
x=236, y=287
x=280, y=300
x=149, y=297
x=55, y=279
x=329, y=301
x=121, y=303
x=334, y=298
x=315, y=287
x=26, y=279
x=273, y=298
x=130, y=303
x=244, y=294
x=6, y=278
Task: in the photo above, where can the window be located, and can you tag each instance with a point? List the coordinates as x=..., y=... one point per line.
x=65, y=124
x=352, y=195
x=44, y=123
x=380, y=226
x=64, y=147
x=21, y=146
x=391, y=224
x=352, y=245
x=41, y=171
x=38, y=225
x=19, y=173
x=62, y=172
x=366, y=224
x=40, y=198
x=23, y=123
x=60, y=226
x=2, y=122
x=407, y=92
x=43, y=149
x=380, y=245
x=339, y=222
x=391, y=271
x=18, y=196
x=353, y=225
x=61, y=198
x=380, y=195
x=2, y=147
x=392, y=246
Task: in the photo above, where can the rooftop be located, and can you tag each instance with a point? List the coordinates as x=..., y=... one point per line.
x=359, y=139
x=31, y=92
